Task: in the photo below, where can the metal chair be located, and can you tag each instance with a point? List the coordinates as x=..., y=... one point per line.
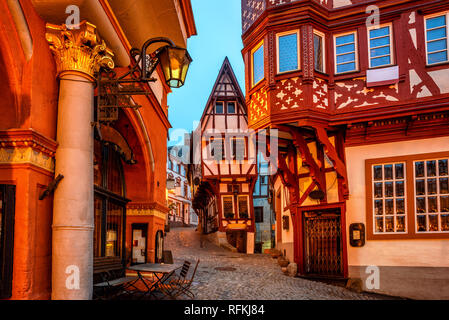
x=180, y=285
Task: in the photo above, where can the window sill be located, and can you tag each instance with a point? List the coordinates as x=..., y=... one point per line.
x=408, y=236
x=437, y=65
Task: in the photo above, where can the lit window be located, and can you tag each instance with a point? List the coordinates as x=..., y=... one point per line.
x=346, y=53
x=432, y=195
x=288, y=55
x=219, y=108
x=258, y=64
x=228, y=207
x=318, y=50
x=231, y=107
x=389, y=198
x=437, y=39
x=380, y=47
x=243, y=207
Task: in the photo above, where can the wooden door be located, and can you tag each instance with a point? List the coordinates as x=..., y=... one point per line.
x=323, y=243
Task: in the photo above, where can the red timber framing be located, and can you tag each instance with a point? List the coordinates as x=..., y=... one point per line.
x=227, y=160
x=319, y=112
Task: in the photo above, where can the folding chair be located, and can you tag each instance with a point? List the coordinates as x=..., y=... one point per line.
x=180, y=286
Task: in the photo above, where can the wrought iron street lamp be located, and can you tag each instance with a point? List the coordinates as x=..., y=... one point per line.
x=114, y=92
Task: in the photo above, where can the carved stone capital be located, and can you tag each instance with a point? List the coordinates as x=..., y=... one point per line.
x=78, y=50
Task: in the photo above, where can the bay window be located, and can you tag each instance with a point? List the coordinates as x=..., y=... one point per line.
x=318, y=51
x=346, y=52
x=287, y=51
x=257, y=63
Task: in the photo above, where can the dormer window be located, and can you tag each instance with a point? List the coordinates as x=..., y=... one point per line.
x=231, y=107
x=219, y=108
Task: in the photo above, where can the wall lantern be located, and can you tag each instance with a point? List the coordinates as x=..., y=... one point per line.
x=175, y=62
x=357, y=234
x=114, y=91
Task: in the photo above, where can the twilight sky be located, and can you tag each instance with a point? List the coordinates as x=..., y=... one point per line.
x=219, y=29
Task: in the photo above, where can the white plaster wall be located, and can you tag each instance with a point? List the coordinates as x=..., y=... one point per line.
x=287, y=235
x=390, y=252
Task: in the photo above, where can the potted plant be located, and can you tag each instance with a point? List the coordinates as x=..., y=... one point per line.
x=244, y=215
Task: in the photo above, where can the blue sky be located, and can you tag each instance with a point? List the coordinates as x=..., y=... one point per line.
x=219, y=29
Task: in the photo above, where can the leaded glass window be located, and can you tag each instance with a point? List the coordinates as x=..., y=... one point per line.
x=389, y=198
x=437, y=39
x=380, y=46
x=258, y=65
x=431, y=195
x=288, y=52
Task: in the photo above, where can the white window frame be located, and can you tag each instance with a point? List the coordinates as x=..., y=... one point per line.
x=356, y=44
x=286, y=33
x=257, y=47
x=323, y=36
x=392, y=60
x=430, y=16
x=394, y=198
x=426, y=195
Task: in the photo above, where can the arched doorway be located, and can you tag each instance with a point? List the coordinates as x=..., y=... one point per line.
x=159, y=247
x=109, y=209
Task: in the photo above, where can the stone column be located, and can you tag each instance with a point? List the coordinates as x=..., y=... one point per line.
x=79, y=54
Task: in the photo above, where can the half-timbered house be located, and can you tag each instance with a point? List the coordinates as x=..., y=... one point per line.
x=360, y=98
x=227, y=168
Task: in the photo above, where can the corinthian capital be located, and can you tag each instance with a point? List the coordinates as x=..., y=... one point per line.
x=79, y=50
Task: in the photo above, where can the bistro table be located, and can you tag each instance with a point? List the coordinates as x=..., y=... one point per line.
x=160, y=271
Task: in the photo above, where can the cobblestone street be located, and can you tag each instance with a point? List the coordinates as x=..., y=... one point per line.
x=252, y=277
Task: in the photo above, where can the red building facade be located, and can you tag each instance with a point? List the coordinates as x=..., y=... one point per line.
x=359, y=97
x=71, y=190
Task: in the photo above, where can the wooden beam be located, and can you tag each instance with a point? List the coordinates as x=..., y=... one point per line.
x=306, y=156
x=330, y=150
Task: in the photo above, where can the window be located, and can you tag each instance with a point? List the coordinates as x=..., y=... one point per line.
x=109, y=203
x=389, y=198
x=258, y=214
x=231, y=107
x=380, y=46
x=257, y=57
x=408, y=197
x=219, y=109
x=346, y=52
x=238, y=149
x=287, y=51
x=7, y=205
x=437, y=39
x=217, y=148
x=432, y=195
x=243, y=207
x=228, y=207
x=318, y=50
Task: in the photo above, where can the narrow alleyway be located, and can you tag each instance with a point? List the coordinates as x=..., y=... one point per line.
x=247, y=276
